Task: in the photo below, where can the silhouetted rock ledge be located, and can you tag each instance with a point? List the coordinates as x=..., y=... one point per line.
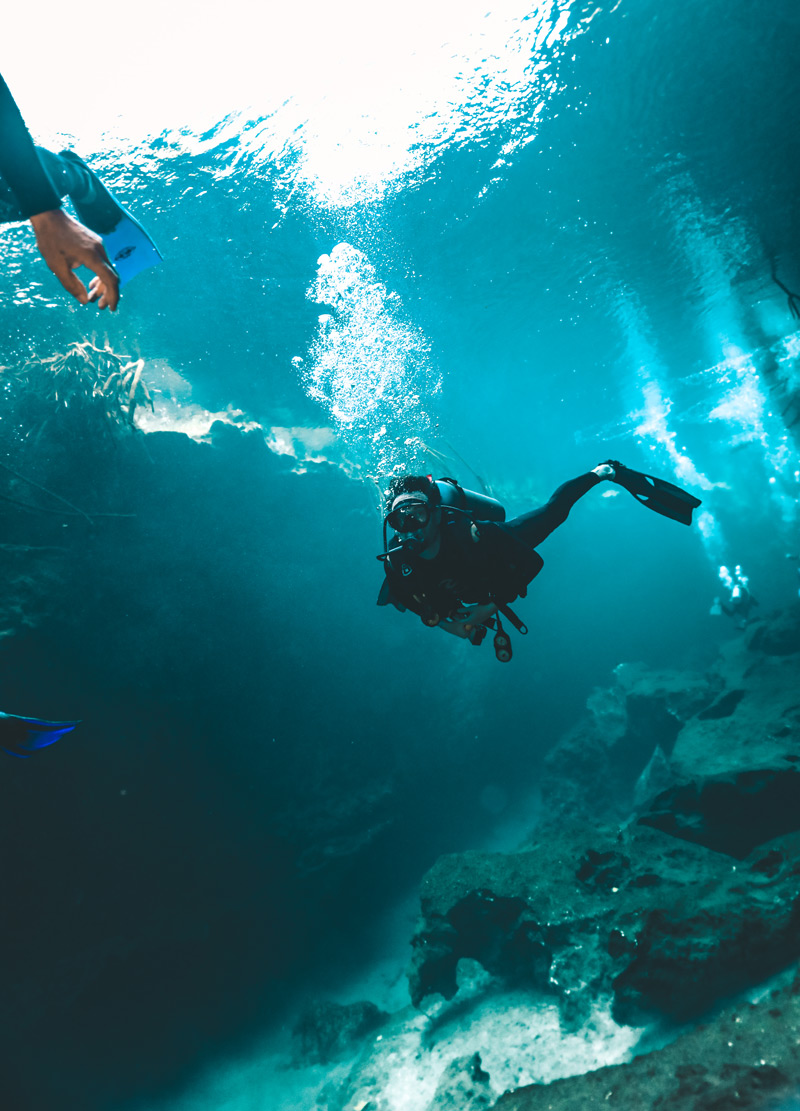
x=748, y=1057
x=742, y=715
x=666, y=910
x=657, y=897
x=660, y=926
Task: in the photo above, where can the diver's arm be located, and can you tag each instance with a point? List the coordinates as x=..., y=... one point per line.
x=19, y=162
x=63, y=243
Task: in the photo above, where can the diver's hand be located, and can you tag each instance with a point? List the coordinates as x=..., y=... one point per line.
x=472, y=616
x=457, y=628
x=64, y=244
x=99, y=291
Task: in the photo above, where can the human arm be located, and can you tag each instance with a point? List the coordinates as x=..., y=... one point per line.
x=63, y=243
x=19, y=163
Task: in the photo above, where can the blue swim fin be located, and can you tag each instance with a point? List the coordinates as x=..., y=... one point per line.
x=23, y=736
x=656, y=493
x=127, y=244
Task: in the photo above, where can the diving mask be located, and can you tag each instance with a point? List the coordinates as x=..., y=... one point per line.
x=411, y=516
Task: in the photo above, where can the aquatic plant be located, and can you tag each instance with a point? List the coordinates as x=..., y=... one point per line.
x=96, y=390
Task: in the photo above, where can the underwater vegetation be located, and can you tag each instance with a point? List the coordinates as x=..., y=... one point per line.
x=100, y=389
x=79, y=403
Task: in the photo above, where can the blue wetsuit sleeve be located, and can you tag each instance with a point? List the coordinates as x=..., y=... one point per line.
x=19, y=163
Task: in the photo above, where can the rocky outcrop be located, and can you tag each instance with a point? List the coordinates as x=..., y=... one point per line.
x=594, y=768
x=754, y=723
x=663, y=927
x=655, y=730
x=327, y=1030
x=463, y=1086
x=693, y=899
x=649, y=919
x=731, y=814
x=748, y=1057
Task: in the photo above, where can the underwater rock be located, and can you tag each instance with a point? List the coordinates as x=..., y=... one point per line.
x=656, y=777
x=746, y=1057
x=475, y=906
x=778, y=636
x=730, y=814
x=578, y=780
x=754, y=721
x=662, y=926
x=601, y=765
x=680, y=693
x=327, y=1030
x=723, y=707
x=731, y=939
x=664, y=917
x=464, y=1086
x=605, y=871
x=657, y=728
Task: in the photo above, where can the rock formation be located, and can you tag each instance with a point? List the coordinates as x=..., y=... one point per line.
x=669, y=904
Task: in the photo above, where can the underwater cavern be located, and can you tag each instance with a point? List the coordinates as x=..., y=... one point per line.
x=296, y=851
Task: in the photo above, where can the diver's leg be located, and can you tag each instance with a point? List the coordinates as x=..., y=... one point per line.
x=534, y=527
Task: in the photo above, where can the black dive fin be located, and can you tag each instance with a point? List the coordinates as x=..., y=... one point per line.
x=23, y=736
x=656, y=493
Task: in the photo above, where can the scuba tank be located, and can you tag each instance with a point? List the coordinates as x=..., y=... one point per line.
x=479, y=506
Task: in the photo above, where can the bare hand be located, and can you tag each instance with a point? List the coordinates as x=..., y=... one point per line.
x=64, y=244
x=477, y=615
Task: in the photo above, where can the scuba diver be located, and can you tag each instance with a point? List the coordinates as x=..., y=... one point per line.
x=107, y=240
x=457, y=563
x=739, y=602
x=23, y=736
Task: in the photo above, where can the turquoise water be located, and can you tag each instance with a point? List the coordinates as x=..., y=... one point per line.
x=558, y=251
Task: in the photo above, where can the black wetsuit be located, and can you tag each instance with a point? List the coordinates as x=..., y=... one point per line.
x=487, y=563
x=25, y=189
